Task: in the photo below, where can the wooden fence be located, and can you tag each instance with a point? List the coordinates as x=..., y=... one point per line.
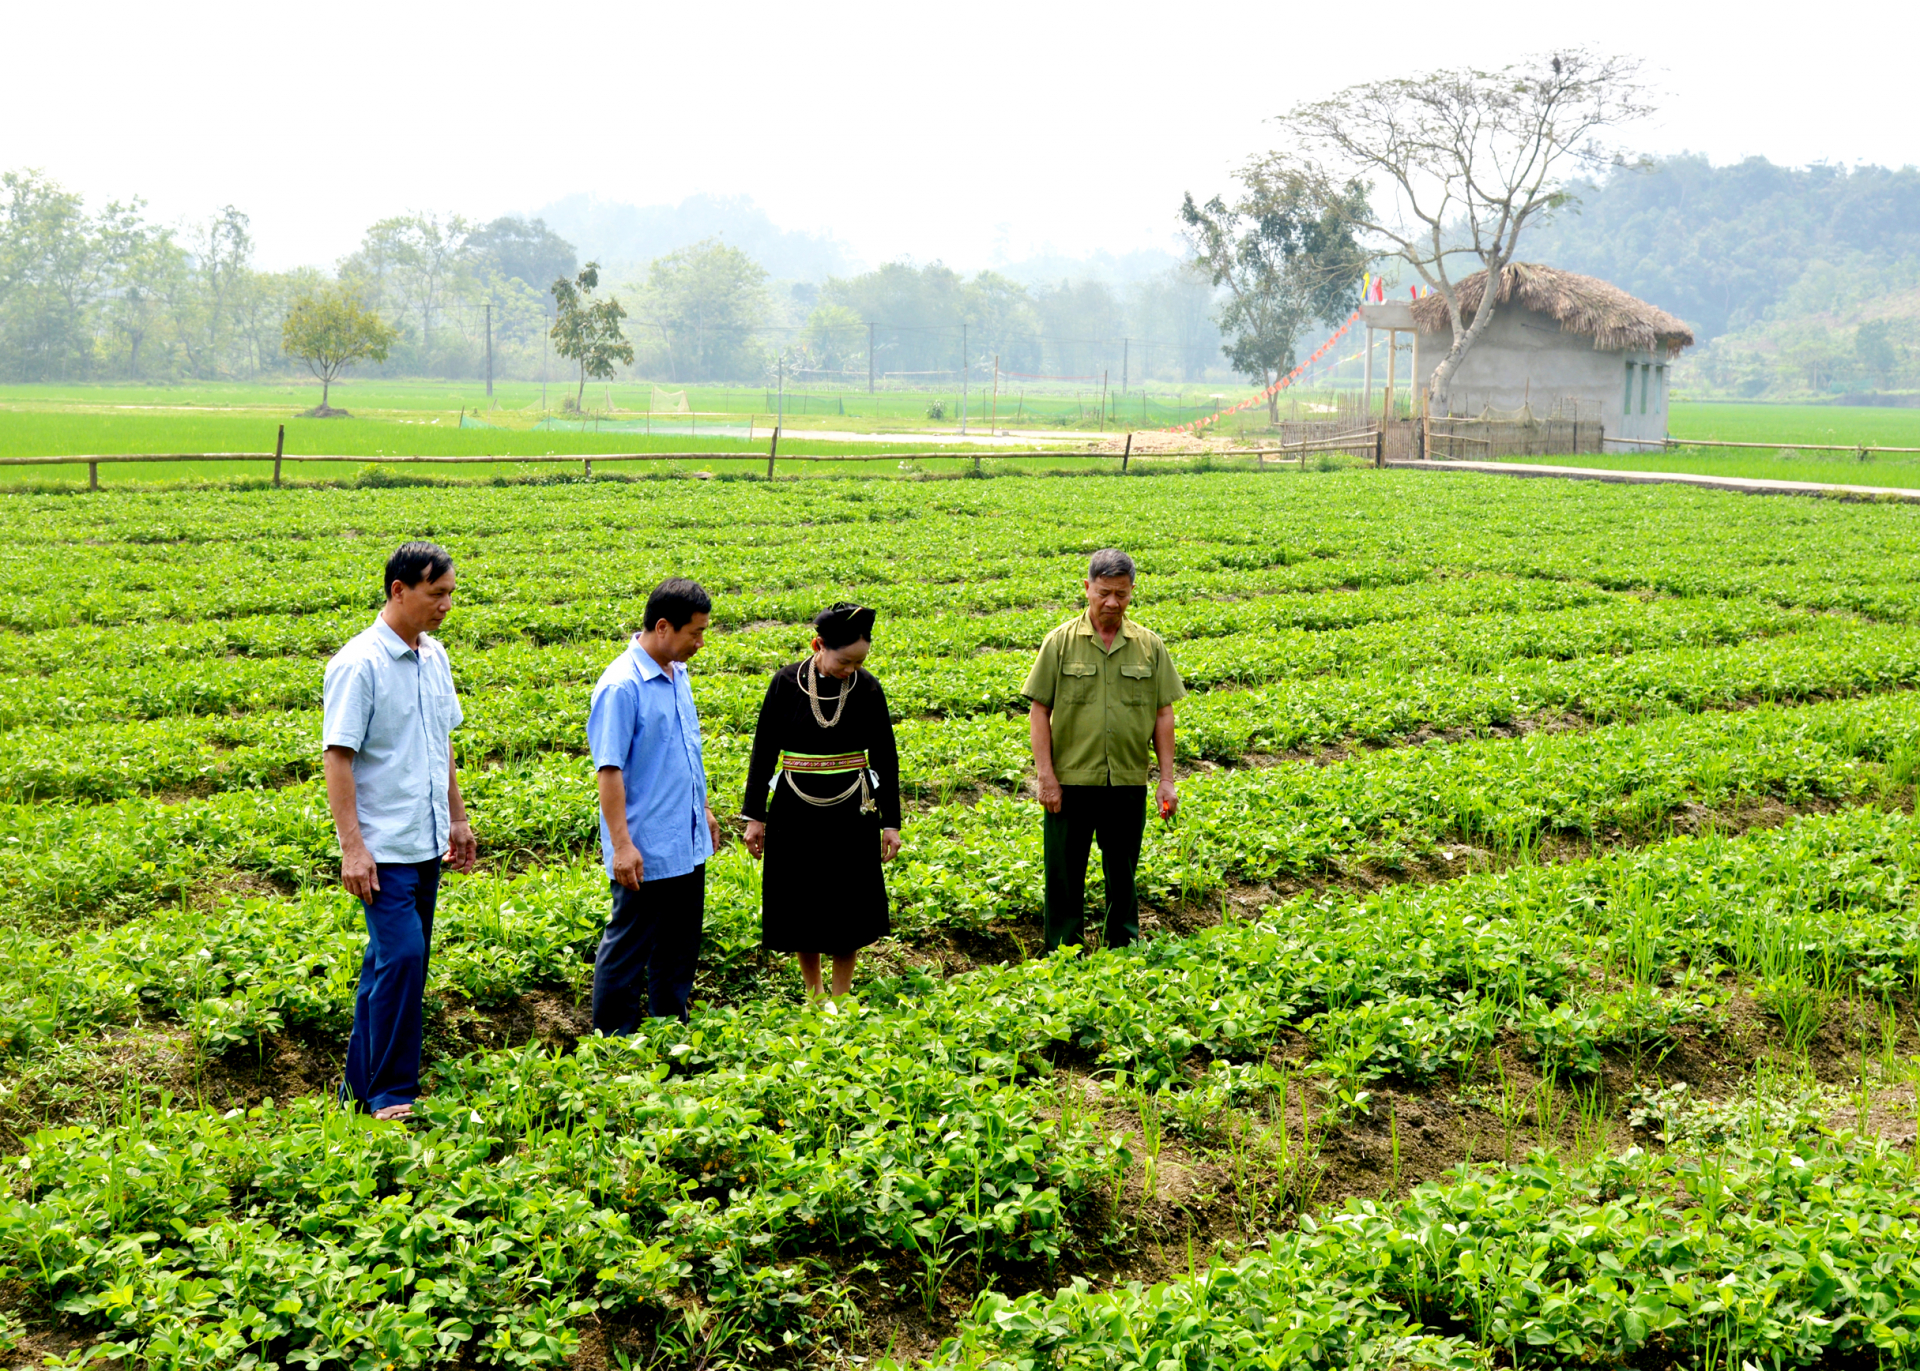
x=1482, y=439
x=1363, y=443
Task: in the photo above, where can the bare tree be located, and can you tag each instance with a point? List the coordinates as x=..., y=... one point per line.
x=1463, y=162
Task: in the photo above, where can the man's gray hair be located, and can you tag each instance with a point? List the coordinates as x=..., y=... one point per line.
x=1110, y=561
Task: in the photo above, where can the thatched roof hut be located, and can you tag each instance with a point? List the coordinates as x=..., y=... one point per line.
x=1597, y=309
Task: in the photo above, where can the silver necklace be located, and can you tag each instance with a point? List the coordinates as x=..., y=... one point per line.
x=809, y=682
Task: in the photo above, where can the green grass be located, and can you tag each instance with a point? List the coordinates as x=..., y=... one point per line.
x=521, y=401
x=425, y=418
x=1732, y=423
x=1819, y=424
x=35, y=433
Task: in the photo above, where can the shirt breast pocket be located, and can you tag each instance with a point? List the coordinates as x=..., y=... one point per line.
x=1077, y=681
x=440, y=711
x=1136, y=684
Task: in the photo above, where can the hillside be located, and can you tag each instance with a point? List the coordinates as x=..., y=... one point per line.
x=1798, y=281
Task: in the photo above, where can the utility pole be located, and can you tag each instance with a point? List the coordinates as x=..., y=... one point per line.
x=489, y=349
x=869, y=356
x=963, y=378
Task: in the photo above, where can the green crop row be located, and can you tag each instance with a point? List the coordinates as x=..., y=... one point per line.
x=1789, y=1252
x=213, y=749
x=534, y=644
x=977, y=545
x=966, y=865
x=1410, y=981
x=541, y=1191
x=260, y=965
x=1389, y=811
x=1243, y=642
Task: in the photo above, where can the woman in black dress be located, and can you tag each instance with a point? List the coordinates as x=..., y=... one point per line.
x=824, y=748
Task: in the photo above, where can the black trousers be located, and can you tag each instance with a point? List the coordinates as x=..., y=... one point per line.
x=1116, y=815
x=652, y=940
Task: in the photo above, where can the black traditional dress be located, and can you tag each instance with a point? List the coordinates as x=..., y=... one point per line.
x=822, y=890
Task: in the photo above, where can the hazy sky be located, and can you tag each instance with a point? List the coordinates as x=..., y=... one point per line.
x=963, y=132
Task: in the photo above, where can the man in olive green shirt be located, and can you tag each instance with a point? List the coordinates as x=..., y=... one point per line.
x=1103, y=688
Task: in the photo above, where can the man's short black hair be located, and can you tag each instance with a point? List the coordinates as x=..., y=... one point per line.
x=676, y=600
x=413, y=563
x=1109, y=561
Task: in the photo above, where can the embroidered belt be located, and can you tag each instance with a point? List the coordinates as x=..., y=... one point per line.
x=827, y=764
x=823, y=763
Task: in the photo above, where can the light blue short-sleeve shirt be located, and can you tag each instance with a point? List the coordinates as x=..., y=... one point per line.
x=395, y=707
x=642, y=720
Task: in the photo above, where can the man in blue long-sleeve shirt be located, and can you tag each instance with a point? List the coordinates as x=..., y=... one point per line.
x=656, y=828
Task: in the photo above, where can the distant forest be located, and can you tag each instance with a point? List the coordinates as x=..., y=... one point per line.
x=1798, y=282
x=104, y=293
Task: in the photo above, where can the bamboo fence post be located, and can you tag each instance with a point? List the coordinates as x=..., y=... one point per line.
x=279, y=445
x=93, y=476
x=773, y=449
x=1128, y=453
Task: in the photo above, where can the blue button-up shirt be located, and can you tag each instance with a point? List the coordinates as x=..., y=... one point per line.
x=642, y=720
x=394, y=706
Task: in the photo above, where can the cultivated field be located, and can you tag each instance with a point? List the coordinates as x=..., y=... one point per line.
x=1531, y=974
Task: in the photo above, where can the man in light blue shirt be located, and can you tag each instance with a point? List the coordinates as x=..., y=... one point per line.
x=656, y=828
x=389, y=708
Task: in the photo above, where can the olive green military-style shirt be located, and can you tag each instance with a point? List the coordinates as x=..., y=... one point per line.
x=1103, y=701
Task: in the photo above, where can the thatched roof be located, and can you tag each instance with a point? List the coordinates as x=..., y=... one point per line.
x=1580, y=304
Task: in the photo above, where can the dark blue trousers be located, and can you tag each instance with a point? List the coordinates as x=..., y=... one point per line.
x=383, y=1055
x=653, y=939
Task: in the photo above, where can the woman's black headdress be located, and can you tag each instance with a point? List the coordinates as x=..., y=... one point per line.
x=844, y=624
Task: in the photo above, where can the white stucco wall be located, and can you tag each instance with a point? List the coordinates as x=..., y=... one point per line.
x=1527, y=358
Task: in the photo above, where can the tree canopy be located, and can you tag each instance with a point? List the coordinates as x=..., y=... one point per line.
x=588, y=331
x=330, y=331
x=1285, y=255
x=701, y=311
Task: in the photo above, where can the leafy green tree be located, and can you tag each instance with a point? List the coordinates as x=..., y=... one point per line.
x=706, y=304
x=836, y=339
x=1873, y=345
x=522, y=250
x=1003, y=320
x=55, y=266
x=416, y=265
x=148, y=262
x=588, y=330
x=202, y=301
x=1285, y=256
x=917, y=310
x=330, y=331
